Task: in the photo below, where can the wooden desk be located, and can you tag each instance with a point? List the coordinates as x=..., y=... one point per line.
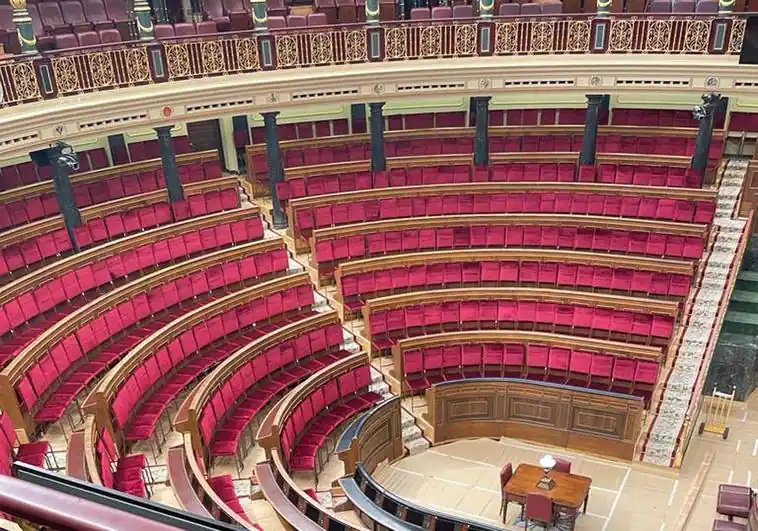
x=570, y=493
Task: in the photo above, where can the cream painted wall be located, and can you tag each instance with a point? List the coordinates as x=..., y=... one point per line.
x=305, y=114
x=179, y=129
x=424, y=105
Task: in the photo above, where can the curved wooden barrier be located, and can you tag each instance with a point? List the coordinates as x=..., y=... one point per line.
x=598, y=422
x=273, y=476
x=668, y=309
x=54, y=225
x=16, y=370
x=321, y=239
x=44, y=187
x=480, y=337
x=296, y=208
x=375, y=436
x=99, y=400
x=346, y=270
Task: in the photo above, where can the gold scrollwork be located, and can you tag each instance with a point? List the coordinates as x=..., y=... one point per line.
x=66, y=77
x=578, y=36
x=430, y=44
x=621, y=35
x=101, y=69
x=177, y=57
x=286, y=50
x=506, y=38
x=465, y=39
x=136, y=64
x=737, y=36
x=355, y=45
x=658, y=35
x=395, y=42
x=213, y=57
x=542, y=37
x=321, y=48
x=247, y=54
x=697, y=36
x=25, y=81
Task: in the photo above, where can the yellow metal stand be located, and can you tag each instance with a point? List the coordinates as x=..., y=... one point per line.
x=719, y=409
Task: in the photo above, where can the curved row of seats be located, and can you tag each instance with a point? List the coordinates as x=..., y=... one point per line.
x=332, y=246
x=34, y=453
x=24, y=247
x=47, y=375
x=127, y=473
x=164, y=364
x=229, y=398
x=28, y=172
x=306, y=181
x=361, y=280
x=579, y=362
x=35, y=302
x=659, y=203
x=630, y=319
x=21, y=205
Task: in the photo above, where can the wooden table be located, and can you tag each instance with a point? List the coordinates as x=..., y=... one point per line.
x=570, y=493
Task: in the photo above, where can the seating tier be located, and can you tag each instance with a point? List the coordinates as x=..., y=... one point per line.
x=374, y=277
x=629, y=319
x=657, y=203
x=43, y=241
x=332, y=246
x=32, y=304
x=32, y=202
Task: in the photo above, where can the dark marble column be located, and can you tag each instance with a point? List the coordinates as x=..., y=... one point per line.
x=482, y=139
x=275, y=170
x=734, y=363
x=589, y=142
x=64, y=160
x=378, y=161
x=168, y=159
x=704, y=114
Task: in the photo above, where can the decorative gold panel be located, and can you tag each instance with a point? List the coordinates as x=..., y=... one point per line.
x=465, y=39
x=430, y=45
x=578, y=36
x=286, y=50
x=506, y=38
x=621, y=35
x=355, y=45
x=213, y=57
x=658, y=35
x=542, y=37
x=697, y=37
x=321, y=48
x=64, y=69
x=738, y=35
x=395, y=43
x=177, y=57
x=25, y=81
x=247, y=54
x=101, y=69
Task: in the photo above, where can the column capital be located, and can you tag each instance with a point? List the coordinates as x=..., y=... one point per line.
x=270, y=115
x=482, y=101
x=376, y=105
x=163, y=130
x=595, y=99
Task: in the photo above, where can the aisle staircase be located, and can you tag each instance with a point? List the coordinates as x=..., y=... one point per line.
x=687, y=374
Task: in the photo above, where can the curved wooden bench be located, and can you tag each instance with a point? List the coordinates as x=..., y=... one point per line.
x=99, y=402
x=16, y=372
x=179, y=477
x=269, y=435
x=76, y=466
x=332, y=246
x=55, y=230
x=558, y=415
x=303, y=212
x=348, y=275
x=665, y=311
x=638, y=364
x=40, y=290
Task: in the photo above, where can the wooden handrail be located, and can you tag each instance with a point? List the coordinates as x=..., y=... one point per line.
x=59, y=268
x=15, y=371
x=615, y=348
x=47, y=225
x=22, y=192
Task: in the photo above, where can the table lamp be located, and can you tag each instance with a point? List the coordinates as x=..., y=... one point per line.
x=547, y=463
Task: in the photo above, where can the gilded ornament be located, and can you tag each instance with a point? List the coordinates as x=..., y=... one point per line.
x=621, y=35
x=177, y=57
x=355, y=45
x=395, y=42
x=737, y=36
x=25, y=81
x=578, y=36
x=465, y=39
x=66, y=77
x=697, y=37
x=213, y=57
x=286, y=50
x=247, y=54
x=542, y=37
x=430, y=41
x=658, y=35
x=18, y=4
x=321, y=48
x=506, y=38
x=101, y=69
x=137, y=66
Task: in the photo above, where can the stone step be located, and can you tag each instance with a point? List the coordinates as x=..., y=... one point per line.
x=418, y=446
x=748, y=278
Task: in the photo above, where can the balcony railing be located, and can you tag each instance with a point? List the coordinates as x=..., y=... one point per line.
x=76, y=71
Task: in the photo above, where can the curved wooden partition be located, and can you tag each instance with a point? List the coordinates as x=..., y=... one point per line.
x=375, y=436
x=99, y=400
x=665, y=311
x=598, y=422
x=47, y=187
x=520, y=337
x=293, y=504
x=15, y=373
x=334, y=245
x=309, y=213
x=484, y=267
x=53, y=277
x=55, y=229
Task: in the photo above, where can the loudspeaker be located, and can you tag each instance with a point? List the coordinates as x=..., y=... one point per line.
x=41, y=157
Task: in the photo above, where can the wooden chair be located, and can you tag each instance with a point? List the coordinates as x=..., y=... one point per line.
x=539, y=508
x=563, y=465
x=506, y=473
